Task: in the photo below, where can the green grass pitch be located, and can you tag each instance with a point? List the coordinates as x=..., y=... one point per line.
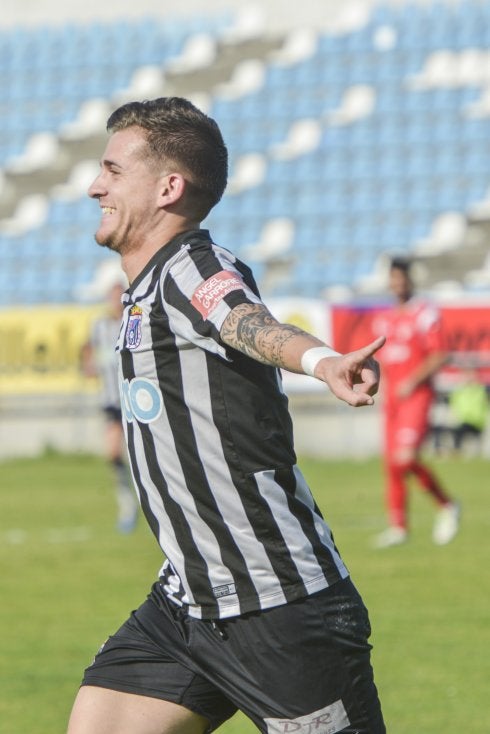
x=67, y=580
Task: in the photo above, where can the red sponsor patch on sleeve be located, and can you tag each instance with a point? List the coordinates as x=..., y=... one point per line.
x=210, y=293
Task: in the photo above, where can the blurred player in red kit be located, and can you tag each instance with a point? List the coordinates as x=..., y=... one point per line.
x=413, y=353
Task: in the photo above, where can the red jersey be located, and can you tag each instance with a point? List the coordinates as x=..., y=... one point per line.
x=413, y=331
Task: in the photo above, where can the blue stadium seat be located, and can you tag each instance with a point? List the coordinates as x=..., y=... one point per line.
x=98, y=59
x=373, y=184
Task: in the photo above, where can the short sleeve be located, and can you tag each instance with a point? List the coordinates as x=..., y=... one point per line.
x=430, y=328
x=200, y=288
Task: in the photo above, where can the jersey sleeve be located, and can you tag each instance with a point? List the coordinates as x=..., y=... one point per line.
x=430, y=328
x=200, y=287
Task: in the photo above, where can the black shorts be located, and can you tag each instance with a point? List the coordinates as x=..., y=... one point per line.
x=112, y=413
x=303, y=666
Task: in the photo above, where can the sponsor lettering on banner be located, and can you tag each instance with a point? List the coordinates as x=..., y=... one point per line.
x=40, y=348
x=210, y=293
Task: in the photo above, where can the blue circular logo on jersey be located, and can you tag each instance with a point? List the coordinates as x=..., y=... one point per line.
x=141, y=399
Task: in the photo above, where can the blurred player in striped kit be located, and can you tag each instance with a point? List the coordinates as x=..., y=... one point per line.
x=100, y=360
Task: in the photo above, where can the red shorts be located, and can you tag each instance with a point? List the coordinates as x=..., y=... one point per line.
x=406, y=422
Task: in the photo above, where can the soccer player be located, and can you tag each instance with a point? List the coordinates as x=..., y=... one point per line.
x=99, y=359
x=254, y=608
x=413, y=353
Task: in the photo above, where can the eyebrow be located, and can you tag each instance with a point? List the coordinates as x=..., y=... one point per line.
x=107, y=163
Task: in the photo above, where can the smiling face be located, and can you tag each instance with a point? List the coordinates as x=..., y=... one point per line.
x=127, y=188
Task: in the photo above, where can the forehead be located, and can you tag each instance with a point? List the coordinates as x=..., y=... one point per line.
x=125, y=147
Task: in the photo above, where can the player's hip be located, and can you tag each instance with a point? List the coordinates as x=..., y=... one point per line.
x=305, y=663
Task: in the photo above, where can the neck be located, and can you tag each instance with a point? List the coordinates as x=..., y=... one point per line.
x=135, y=259
x=404, y=300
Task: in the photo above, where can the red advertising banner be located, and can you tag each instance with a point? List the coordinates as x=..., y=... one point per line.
x=466, y=331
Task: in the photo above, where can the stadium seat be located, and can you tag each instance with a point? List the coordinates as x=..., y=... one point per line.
x=354, y=187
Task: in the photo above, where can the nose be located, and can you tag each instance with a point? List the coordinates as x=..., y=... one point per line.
x=96, y=188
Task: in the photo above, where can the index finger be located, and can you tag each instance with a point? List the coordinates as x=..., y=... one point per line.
x=365, y=352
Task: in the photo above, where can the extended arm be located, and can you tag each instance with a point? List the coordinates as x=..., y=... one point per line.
x=253, y=330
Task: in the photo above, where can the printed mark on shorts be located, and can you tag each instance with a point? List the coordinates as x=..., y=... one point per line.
x=329, y=720
x=210, y=293
x=407, y=436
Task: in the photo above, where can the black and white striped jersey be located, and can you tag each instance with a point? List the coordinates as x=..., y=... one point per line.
x=210, y=442
x=103, y=338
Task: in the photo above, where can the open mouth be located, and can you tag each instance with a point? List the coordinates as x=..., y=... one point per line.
x=108, y=210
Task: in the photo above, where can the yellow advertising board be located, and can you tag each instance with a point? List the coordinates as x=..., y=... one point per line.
x=40, y=349
x=40, y=346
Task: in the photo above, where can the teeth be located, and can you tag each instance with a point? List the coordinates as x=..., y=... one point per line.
x=107, y=210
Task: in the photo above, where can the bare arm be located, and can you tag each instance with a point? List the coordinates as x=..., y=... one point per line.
x=253, y=330
x=424, y=372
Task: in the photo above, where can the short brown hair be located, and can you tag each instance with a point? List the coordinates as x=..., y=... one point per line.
x=180, y=134
x=401, y=263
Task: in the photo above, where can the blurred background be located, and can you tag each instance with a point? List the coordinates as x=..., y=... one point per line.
x=356, y=131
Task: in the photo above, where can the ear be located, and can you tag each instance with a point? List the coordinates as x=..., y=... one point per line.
x=172, y=187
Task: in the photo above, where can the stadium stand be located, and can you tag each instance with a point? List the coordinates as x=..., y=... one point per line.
x=345, y=145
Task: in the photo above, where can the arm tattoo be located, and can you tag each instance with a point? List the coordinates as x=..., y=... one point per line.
x=253, y=330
